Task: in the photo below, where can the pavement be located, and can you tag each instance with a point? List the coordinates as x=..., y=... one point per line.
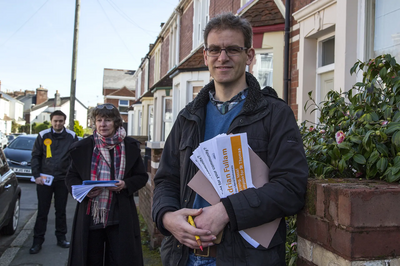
x=51, y=254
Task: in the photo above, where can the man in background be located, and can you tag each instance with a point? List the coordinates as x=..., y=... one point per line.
x=50, y=157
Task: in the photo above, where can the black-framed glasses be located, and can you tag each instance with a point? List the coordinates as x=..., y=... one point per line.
x=215, y=51
x=109, y=106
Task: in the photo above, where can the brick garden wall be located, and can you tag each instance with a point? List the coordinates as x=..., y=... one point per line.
x=350, y=222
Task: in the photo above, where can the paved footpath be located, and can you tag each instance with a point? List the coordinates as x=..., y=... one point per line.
x=51, y=254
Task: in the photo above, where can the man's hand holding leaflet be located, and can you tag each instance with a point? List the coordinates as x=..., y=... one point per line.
x=177, y=224
x=259, y=171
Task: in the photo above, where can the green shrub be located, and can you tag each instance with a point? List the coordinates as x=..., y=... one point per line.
x=291, y=240
x=36, y=128
x=358, y=132
x=78, y=129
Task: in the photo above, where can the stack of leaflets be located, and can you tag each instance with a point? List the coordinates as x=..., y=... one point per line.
x=47, y=179
x=225, y=162
x=228, y=165
x=79, y=192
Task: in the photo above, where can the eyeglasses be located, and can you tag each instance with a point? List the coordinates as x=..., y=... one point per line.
x=109, y=106
x=215, y=51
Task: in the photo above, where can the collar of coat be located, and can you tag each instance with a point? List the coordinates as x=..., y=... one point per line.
x=254, y=99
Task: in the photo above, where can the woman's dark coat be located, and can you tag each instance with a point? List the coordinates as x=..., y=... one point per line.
x=129, y=231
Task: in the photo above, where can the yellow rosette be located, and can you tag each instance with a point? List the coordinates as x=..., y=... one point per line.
x=48, y=142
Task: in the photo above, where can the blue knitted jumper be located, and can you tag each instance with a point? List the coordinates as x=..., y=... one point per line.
x=216, y=123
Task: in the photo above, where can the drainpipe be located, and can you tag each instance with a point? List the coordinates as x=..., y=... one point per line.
x=286, y=79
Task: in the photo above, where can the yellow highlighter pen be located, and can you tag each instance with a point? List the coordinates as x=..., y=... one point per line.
x=190, y=220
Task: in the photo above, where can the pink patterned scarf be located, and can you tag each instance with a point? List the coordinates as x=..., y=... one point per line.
x=101, y=167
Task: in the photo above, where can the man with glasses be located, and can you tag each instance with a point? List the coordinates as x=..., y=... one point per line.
x=50, y=157
x=232, y=103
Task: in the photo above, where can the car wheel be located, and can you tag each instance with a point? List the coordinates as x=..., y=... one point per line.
x=12, y=225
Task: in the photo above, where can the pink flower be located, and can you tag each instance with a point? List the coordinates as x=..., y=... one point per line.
x=322, y=131
x=384, y=123
x=311, y=128
x=340, y=136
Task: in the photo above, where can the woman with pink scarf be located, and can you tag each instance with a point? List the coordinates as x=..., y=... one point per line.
x=106, y=226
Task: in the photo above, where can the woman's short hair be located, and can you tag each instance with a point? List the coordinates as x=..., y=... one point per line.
x=228, y=21
x=106, y=110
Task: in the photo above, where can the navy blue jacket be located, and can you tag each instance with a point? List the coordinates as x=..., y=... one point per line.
x=57, y=164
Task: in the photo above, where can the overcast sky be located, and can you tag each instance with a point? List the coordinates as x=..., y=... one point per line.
x=36, y=41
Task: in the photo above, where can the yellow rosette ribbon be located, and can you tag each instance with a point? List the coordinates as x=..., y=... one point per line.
x=48, y=142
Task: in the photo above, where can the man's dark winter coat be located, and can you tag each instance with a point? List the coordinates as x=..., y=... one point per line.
x=274, y=136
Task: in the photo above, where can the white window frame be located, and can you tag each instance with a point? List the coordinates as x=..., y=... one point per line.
x=257, y=64
x=200, y=20
x=123, y=105
x=165, y=119
x=150, y=122
x=371, y=32
x=369, y=29
x=173, y=45
x=321, y=70
x=140, y=122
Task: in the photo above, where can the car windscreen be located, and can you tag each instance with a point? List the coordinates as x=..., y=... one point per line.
x=22, y=144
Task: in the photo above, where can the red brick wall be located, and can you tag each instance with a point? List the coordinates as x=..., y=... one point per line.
x=294, y=77
x=41, y=96
x=151, y=74
x=355, y=219
x=220, y=6
x=186, y=33
x=299, y=4
x=164, y=57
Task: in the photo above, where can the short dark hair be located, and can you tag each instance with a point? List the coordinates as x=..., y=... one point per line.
x=102, y=111
x=228, y=21
x=58, y=112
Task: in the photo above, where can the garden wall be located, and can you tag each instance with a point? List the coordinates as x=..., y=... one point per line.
x=350, y=222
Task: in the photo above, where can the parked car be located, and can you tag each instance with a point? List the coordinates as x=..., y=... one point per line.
x=3, y=140
x=18, y=134
x=10, y=195
x=19, y=154
x=11, y=138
